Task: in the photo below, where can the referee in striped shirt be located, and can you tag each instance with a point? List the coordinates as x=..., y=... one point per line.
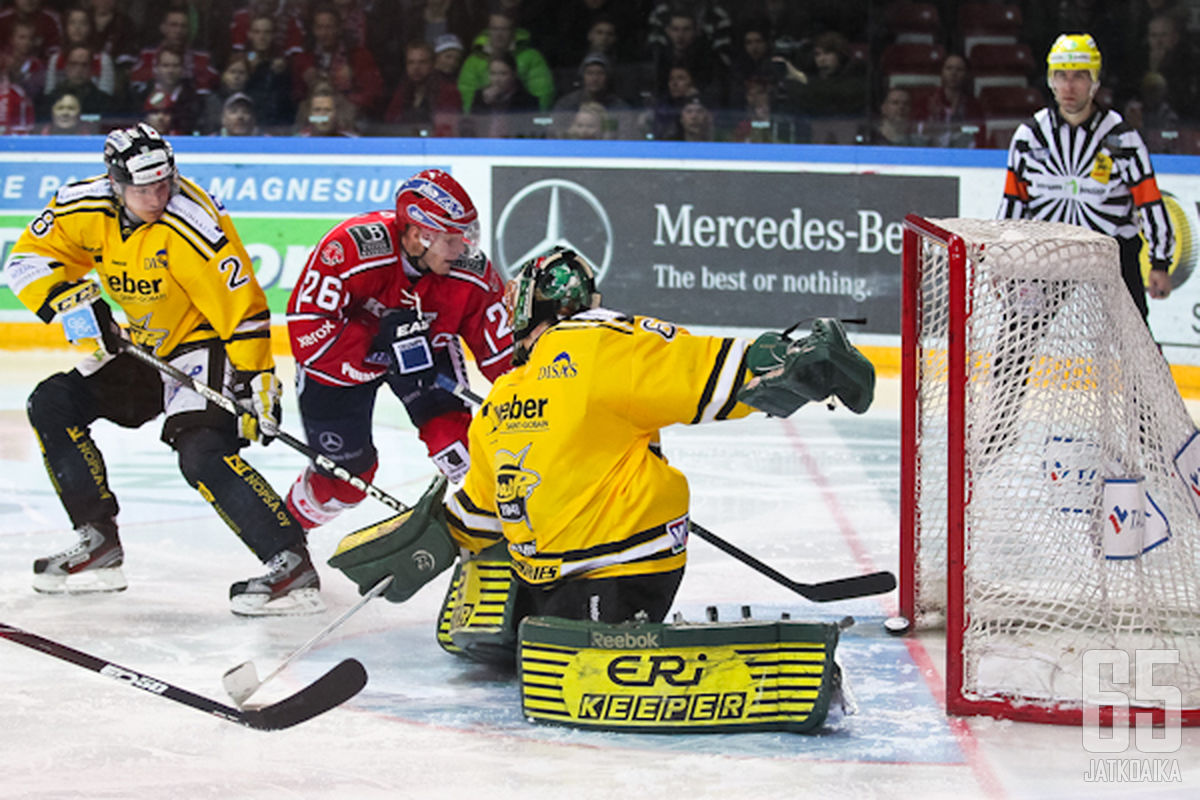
x=1080, y=163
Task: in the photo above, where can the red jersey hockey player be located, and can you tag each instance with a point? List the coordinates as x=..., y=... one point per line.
x=385, y=298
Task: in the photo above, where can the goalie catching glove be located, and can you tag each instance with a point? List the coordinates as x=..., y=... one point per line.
x=259, y=422
x=413, y=547
x=789, y=373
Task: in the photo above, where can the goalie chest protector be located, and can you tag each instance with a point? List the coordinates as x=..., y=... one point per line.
x=678, y=678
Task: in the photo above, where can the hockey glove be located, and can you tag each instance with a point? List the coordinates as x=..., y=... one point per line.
x=403, y=341
x=413, y=547
x=84, y=315
x=262, y=391
x=791, y=373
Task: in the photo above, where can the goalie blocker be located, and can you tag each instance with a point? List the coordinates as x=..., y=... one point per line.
x=680, y=678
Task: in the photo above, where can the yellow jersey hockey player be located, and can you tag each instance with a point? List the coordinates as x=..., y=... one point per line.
x=167, y=253
x=565, y=460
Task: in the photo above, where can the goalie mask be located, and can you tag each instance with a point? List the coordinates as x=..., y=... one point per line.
x=138, y=156
x=548, y=288
x=438, y=206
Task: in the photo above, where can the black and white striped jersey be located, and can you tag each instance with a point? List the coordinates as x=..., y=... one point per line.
x=1096, y=175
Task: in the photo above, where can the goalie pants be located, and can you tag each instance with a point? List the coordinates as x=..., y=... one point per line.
x=611, y=600
x=129, y=393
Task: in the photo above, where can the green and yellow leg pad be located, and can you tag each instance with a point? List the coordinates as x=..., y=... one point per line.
x=679, y=678
x=449, y=603
x=476, y=620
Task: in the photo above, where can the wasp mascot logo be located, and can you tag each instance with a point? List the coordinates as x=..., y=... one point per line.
x=514, y=485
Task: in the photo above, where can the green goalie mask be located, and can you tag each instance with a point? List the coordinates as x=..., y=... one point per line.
x=549, y=287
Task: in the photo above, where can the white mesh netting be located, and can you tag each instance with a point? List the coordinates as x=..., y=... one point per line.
x=1065, y=389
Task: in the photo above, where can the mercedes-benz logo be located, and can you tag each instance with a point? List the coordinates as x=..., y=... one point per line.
x=585, y=230
x=330, y=442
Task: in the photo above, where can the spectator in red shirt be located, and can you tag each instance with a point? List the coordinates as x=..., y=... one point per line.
x=287, y=27
x=175, y=32
x=951, y=116
x=171, y=83
x=350, y=70
x=16, y=109
x=47, y=29
x=116, y=34
x=78, y=32
x=425, y=100
x=77, y=79
x=25, y=67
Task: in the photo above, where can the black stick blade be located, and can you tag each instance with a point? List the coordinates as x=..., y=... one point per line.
x=847, y=588
x=331, y=689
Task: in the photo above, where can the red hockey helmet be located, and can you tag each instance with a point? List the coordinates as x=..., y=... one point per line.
x=437, y=205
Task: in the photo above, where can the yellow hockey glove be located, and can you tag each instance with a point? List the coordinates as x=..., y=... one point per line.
x=263, y=391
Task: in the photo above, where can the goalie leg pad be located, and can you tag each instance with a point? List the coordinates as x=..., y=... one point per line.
x=792, y=373
x=477, y=619
x=678, y=678
x=413, y=548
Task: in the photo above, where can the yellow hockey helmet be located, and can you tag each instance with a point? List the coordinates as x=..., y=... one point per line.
x=1074, y=51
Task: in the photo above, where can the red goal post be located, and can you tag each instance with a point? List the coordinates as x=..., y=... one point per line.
x=1050, y=481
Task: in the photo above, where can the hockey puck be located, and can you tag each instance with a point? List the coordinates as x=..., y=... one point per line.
x=897, y=625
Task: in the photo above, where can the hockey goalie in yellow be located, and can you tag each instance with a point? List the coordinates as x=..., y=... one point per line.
x=570, y=471
x=565, y=463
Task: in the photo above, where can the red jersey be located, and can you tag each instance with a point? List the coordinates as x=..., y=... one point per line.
x=16, y=109
x=357, y=272
x=288, y=31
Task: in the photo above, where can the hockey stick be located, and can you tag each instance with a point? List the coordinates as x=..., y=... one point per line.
x=242, y=681
x=824, y=592
x=333, y=688
x=237, y=409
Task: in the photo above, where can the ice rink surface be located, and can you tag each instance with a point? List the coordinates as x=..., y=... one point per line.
x=815, y=496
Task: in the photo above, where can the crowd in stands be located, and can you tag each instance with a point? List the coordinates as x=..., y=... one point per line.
x=894, y=72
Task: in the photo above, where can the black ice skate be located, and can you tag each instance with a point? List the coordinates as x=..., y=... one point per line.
x=291, y=587
x=92, y=565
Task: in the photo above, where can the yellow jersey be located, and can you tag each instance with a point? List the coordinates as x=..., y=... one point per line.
x=185, y=278
x=565, y=462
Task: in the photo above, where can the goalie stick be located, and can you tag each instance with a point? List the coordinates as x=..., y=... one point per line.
x=237, y=409
x=333, y=688
x=823, y=592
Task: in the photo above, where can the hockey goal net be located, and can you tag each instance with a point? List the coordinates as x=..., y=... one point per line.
x=1044, y=522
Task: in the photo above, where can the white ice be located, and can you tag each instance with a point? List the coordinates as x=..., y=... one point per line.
x=815, y=496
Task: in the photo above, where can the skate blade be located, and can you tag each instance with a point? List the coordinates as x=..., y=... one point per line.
x=294, y=603
x=90, y=581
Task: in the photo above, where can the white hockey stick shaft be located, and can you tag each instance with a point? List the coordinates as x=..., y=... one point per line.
x=241, y=681
x=236, y=409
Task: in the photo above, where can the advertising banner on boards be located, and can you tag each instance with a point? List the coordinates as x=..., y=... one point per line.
x=723, y=247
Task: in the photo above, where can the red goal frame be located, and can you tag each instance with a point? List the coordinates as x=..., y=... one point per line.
x=960, y=283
